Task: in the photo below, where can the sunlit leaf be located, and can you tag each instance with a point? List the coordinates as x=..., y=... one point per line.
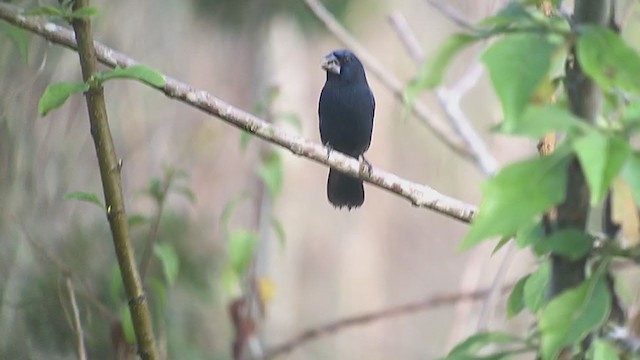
x=570, y=316
x=517, y=194
x=517, y=64
x=602, y=350
x=602, y=158
x=608, y=60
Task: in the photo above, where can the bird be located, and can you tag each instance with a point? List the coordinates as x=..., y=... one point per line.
x=345, y=111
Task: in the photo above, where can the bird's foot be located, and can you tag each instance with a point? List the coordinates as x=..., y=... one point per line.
x=329, y=149
x=365, y=166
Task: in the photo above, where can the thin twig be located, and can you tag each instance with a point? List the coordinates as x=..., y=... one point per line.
x=155, y=225
x=450, y=99
x=426, y=115
x=452, y=14
x=367, y=318
x=82, y=353
x=418, y=194
x=65, y=270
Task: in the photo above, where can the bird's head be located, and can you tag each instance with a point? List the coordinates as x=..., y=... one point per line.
x=343, y=64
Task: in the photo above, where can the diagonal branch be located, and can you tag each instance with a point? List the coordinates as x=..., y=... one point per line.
x=418, y=194
x=450, y=99
x=429, y=303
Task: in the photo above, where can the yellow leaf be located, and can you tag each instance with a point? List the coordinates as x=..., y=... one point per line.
x=625, y=213
x=267, y=289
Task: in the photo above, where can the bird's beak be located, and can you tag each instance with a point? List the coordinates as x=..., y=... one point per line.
x=331, y=64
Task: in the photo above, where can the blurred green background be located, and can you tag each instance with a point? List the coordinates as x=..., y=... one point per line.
x=261, y=56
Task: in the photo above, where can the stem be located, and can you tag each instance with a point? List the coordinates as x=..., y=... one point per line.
x=111, y=183
x=585, y=101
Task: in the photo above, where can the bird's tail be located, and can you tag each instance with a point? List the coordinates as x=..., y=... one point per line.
x=344, y=190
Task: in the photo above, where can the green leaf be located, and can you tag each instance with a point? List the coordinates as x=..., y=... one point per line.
x=515, y=302
x=602, y=350
x=56, y=94
x=570, y=316
x=186, y=192
x=137, y=72
x=602, y=158
x=168, y=257
x=478, y=341
x=127, y=325
x=536, y=286
x=85, y=12
x=116, y=288
x=279, y=230
x=539, y=120
x=270, y=171
x=527, y=235
x=231, y=282
x=229, y=209
x=608, y=60
x=136, y=219
x=84, y=196
x=155, y=189
x=504, y=241
x=433, y=70
x=517, y=64
x=242, y=243
x=19, y=37
x=570, y=243
x=49, y=10
x=159, y=297
x=517, y=194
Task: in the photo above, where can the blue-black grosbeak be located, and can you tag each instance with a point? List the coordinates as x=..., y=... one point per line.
x=346, y=111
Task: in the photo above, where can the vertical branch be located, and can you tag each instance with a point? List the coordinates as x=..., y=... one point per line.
x=585, y=101
x=111, y=183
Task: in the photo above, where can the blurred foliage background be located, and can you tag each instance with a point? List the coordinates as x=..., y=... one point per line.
x=329, y=264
